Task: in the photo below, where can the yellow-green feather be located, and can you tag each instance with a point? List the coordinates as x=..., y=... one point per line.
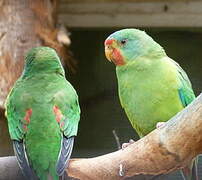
x=149, y=92
x=152, y=87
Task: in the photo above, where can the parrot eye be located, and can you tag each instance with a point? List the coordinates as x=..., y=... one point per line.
x=123, y=42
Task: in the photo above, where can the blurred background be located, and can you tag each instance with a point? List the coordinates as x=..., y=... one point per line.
x=176, y=25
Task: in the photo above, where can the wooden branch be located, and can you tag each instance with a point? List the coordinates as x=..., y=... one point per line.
x=162, y=151
x=166, y=149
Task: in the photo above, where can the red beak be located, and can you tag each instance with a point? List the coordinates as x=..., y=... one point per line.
x=109, y=42
x=109, y=48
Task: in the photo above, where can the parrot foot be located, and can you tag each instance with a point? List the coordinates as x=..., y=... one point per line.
x=125, y=145
x=160, y=125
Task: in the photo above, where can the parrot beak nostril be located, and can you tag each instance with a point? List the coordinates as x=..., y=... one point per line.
x=108, y=48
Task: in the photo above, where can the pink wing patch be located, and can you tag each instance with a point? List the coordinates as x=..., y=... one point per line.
x=27, y=118
x=25, y=127
x=28, y=115
x=58, y=113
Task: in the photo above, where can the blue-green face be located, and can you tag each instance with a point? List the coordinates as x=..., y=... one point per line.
x=125, y=45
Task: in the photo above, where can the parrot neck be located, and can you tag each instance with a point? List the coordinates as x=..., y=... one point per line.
x=43, y=68
x=143, y=63
x=140, y=69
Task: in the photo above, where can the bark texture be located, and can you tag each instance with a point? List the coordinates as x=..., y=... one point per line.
x=24, y=24
x=163, y=150
x=166, y=149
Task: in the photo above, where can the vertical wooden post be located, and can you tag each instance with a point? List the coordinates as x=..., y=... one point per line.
x=24, y=24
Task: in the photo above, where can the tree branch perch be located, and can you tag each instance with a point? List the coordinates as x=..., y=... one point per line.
x=163, y=150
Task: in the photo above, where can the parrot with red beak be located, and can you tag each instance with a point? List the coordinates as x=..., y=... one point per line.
x=152, y=87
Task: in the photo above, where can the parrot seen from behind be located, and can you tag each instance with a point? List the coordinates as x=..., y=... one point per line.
x=152, y=87
x=43, y=114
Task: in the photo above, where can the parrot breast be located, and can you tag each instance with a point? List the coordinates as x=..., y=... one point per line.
x=149, y=95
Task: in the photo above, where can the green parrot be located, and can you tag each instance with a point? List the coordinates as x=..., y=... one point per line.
x=152, y=87
x=43, y=114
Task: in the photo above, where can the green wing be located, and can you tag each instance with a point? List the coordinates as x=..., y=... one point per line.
x=18, y=119
x=16, y=112
x=67, y=111
x=64, y=97
x=67, y=101
x=185, y=91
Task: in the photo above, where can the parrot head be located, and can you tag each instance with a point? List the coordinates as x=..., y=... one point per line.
x=126, y=45
x=42, y=59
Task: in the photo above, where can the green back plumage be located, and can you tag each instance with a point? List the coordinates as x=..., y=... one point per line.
x=42, y=87
x=152, y=87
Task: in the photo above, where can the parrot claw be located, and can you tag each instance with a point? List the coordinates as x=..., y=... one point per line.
x=160, y=125
x=125, y=145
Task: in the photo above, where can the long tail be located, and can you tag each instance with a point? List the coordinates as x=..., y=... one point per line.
x=65, y=153
x=23, y=162
x=190, y=172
